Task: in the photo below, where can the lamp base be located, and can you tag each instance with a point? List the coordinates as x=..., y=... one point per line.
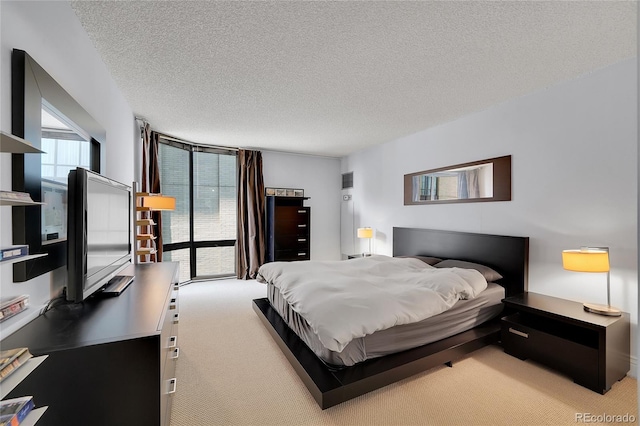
x=602, y=309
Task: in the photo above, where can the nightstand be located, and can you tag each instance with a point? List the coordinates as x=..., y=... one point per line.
x=592, y=349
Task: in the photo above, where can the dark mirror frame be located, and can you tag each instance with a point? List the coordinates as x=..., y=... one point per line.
x=30, y=83
x=501, y=182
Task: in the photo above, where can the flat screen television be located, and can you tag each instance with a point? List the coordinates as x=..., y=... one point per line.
x=98, y=232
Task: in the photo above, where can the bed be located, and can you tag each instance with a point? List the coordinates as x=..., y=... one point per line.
x=333, y=377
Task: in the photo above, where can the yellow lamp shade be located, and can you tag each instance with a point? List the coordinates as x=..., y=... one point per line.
x=365, y=233
x=586, y=260
x=157, y=202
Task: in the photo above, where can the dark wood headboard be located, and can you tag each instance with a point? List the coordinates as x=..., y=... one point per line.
x=507, y=255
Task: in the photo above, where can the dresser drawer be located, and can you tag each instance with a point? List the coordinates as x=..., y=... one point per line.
x=558, y=349
x=292, y=242
x=292, y=214
x=168, y=388
x=287, y=255
x=169, y=332
x=169, y=353
x=172, y=316
x=292, y=228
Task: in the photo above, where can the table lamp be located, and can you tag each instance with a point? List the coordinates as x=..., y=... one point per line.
x=366, y=233
x=591, y=259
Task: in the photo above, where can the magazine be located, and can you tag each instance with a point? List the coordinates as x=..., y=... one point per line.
x=14, y=411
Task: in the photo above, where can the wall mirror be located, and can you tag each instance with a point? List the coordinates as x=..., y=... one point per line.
x=43, y=113
x=478, y=181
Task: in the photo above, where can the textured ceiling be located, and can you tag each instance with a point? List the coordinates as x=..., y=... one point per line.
x=331, y=78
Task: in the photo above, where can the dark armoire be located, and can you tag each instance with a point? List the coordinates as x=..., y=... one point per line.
x=288, y=229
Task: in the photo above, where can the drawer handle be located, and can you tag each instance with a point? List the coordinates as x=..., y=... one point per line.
x=302, y=254
x=176, y=287
x=173, y=385
x=176, y=318
x=302, y=239
x=518, y=333
x=304, y=225
x=176, y=353
x=173, y=342
x=302, y=211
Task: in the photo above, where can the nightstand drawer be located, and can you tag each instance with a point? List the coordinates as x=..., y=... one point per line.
x=557, y=345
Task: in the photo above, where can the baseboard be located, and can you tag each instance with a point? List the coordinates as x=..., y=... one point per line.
x=633, y=372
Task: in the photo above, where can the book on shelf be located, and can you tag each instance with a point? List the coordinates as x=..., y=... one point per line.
x=15, y=195
x=9, y=306
x=14, y=411
x=13, y=252
x=11, y=360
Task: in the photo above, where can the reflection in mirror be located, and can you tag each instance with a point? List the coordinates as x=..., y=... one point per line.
x=455, y=184
x=486, y=180
x=66, y=147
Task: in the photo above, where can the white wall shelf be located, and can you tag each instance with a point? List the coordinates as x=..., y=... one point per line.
x=22, y=259
x=16, y=145
x=14, y=379
x=34, y=416
x=13, y=202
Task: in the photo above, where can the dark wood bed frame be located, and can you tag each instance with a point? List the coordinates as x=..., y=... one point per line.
x=507, y=255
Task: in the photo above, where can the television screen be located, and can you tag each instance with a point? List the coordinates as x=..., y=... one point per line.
x=108, y=235
x=99, y=232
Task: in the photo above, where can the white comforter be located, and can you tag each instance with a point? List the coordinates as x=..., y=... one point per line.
x=345, y=300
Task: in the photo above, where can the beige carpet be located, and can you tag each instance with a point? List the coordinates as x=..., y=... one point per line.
x=231, y=372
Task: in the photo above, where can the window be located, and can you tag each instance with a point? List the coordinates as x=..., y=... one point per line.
x=201, y=232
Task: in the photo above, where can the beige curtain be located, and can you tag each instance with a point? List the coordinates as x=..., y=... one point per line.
x=251, y=207
x=151, y=181
x=473, y=183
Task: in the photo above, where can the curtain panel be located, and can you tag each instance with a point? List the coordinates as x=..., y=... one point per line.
x=251, y=210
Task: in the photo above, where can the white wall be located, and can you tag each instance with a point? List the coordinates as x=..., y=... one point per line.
x=574, y=181
x=52, y=35
x=321, y=180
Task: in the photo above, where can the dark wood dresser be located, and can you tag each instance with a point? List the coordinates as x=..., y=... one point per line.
x=111, y=360
x=288, y=229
